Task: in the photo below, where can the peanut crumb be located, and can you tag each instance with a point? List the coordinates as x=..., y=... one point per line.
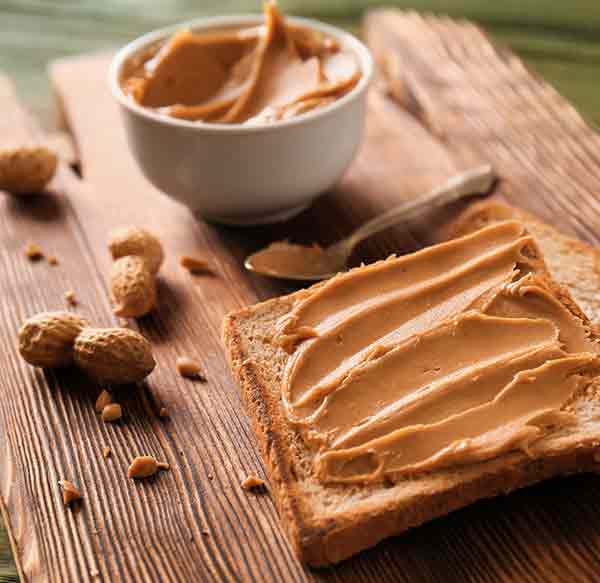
x=253, y=483
x=112, y=412
x=194, y=264
x=71, y=297
x=189, y=368
x=70, y=492
x=104, y=399
x=163, y=412
x=33, y=252
x=52, y=260
x=124, y=323
x=205, y=532
x=145, y=466
x=106, y=452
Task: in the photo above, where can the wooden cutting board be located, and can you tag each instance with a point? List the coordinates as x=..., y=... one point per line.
x=447, y=99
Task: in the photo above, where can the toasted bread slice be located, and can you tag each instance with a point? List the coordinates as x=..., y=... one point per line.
x=327, y=523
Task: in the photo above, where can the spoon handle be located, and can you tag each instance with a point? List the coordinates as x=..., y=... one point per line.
x=477, y=180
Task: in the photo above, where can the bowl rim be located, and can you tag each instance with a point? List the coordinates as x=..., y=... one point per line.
x=206, y=23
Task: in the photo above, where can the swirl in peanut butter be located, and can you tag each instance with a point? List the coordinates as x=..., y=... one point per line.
x=452, y=355
x=254, y=75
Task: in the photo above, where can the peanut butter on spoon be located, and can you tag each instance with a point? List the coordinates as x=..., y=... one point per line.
x=281, y=257
x=254, y=75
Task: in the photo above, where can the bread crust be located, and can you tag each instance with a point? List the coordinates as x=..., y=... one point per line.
x=322, y=538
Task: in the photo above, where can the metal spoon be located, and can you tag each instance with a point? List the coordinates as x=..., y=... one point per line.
x=287, y=261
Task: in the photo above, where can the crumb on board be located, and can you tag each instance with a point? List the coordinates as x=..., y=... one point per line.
x=253, y=483
x=70, y=492
x=52, y=260
x=195, y=264
x=112, y=412
x=189, y=368
x=106, y=452
x=33, y=252
x=162, y=412
x=70, y=297
x=104, y=398
x=144, y=466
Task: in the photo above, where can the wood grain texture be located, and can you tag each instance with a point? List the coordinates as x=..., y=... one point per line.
x=195, y=522
x=481, y=101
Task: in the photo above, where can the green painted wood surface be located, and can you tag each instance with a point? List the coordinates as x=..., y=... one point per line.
x=559, y=39
x=7, y=566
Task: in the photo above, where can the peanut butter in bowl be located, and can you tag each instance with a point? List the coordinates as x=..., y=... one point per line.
x=245, y=119
x=250, y=75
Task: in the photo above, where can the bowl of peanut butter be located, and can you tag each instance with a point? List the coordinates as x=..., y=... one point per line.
x=244, y=119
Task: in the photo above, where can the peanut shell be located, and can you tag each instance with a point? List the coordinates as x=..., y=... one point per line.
x=114, y=356
x=26, y=169
x=47, y=339
x=137, y=241
x=132, y=286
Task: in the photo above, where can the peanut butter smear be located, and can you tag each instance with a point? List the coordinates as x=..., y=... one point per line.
x=253, y=75
x=451, y=355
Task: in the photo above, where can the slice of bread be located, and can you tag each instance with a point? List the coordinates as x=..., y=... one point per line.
x=327, y=523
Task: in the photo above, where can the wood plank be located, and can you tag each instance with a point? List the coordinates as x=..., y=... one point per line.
x=480, y=100
x=154, y=530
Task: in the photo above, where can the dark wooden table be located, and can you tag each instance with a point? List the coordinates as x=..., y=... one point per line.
x=560, y=40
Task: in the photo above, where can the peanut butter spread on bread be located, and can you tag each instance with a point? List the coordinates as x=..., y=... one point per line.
x=449, y=356
x=252, y=75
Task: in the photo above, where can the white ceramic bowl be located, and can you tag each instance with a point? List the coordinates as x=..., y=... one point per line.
x=239, y=174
